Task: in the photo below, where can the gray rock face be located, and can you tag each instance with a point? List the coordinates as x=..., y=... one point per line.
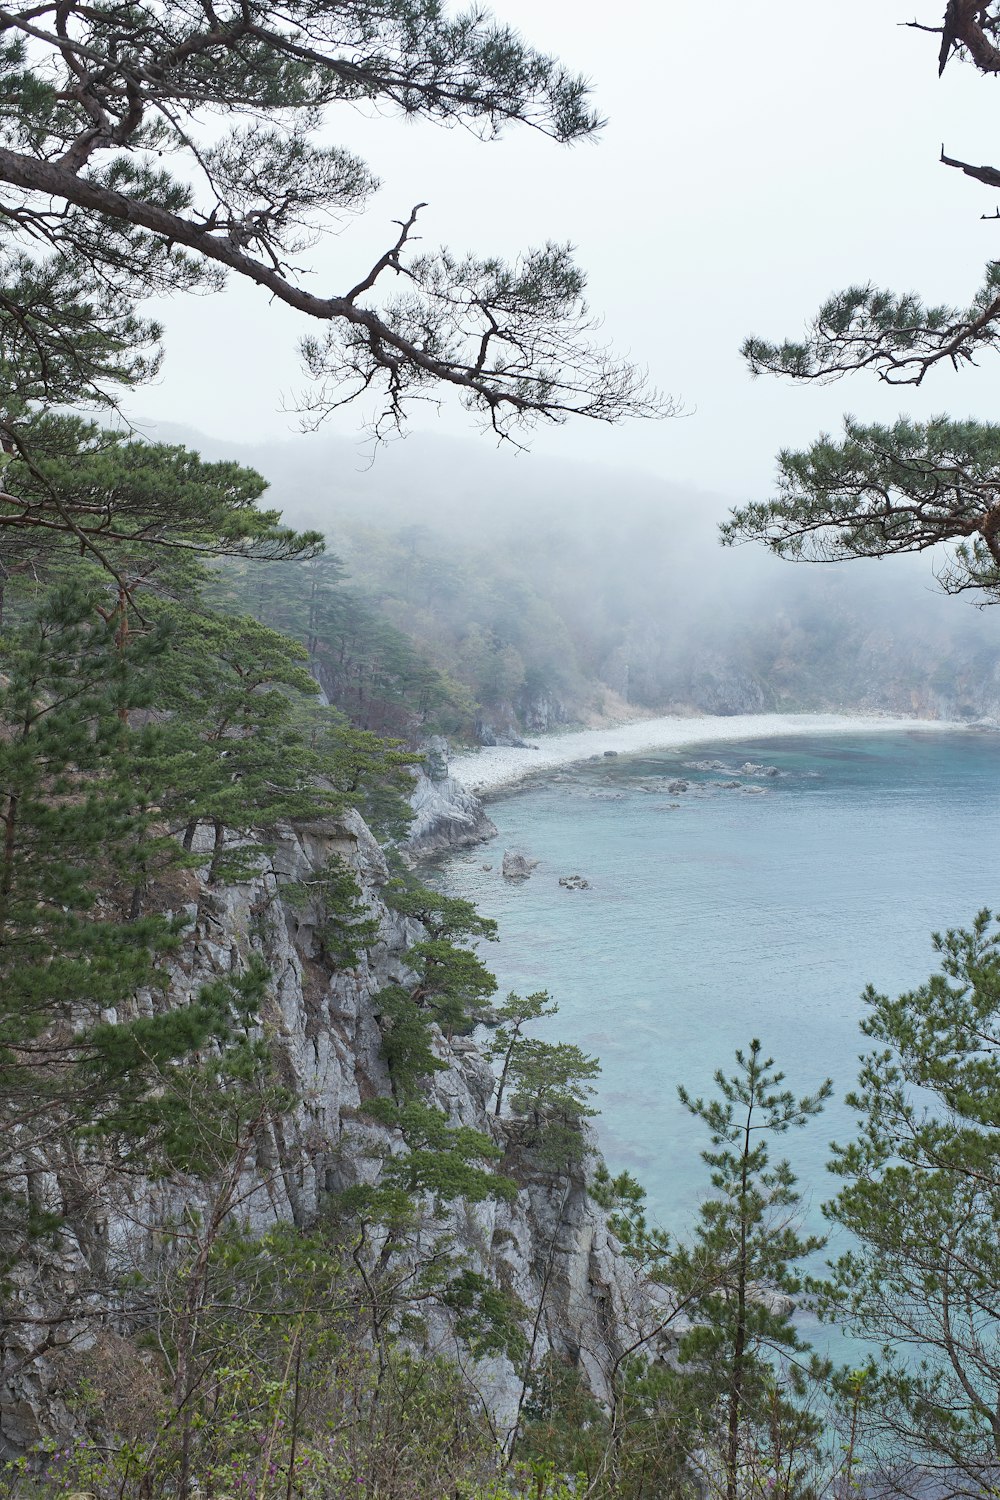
x=551, y=1246
x=448, y=815
x=517, y=866
x=488, y=734
x=540, y=711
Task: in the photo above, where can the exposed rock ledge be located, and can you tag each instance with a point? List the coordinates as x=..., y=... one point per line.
x=551, y=1246
x=448, y=815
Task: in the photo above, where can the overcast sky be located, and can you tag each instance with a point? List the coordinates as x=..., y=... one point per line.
x=756, y=158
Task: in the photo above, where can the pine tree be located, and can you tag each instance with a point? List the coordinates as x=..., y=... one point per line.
x=78, y=834
x=882, y=491
x=146, y=512
x=909, y=486
x=737, y=1276
x=447, y=984
x=921, y=1199
x=104, y=118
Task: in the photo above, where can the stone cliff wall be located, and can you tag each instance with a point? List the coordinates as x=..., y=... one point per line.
x=551, y=1246
x=446, y=814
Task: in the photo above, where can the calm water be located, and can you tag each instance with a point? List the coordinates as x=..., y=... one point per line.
x=717, y=914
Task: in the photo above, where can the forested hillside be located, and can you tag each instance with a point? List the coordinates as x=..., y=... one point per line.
x=513, y=597
x=293, y=1204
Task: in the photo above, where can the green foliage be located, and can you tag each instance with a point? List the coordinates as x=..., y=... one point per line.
x=144, y=511
x=441, y=1161
x=921, y=1195
x=395, y=1239
x=373, y=774
x=624, y=1200
x=286, y=1399
x=73, y=822
x=734, y=1277
x=131, y=716
x=910, y=486
x=477, y=607
x=448, y=983
x=887, y=490
x=369, y=667
x=345, y=928
x=548, y=1084
x=174, y=1107
x=564, y=1429
x=150, y=201
x=511, y=1018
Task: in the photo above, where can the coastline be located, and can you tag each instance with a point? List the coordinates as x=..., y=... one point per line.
x=497, y=768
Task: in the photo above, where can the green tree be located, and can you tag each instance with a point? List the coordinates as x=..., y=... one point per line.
x=447, y=982
x=147, y=512
x=550, y=1086
x=548, y=1083
x=368, y=667
x=404, y=1257
x=109, y=168
x=908, y=486
x=921, y=1198
x=68, y=949
x=738, y=1275
x=888, y=490
x=512, y=1017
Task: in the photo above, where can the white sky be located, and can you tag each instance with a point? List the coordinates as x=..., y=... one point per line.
x=757, y=157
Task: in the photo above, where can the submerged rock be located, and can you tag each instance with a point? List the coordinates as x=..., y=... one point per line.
x=574, y=883
x=751, y=768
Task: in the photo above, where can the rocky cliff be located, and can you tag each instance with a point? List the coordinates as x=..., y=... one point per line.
x=446, y=814
x=551, y=1246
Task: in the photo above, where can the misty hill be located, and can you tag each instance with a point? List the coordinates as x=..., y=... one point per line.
x=554, y=592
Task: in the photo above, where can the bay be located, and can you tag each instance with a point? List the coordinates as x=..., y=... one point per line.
x=755, y=902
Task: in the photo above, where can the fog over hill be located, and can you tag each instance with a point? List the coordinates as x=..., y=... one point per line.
x=556, y=591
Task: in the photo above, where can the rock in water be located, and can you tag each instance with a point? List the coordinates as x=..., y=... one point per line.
x=574, y=883
x=517, y=866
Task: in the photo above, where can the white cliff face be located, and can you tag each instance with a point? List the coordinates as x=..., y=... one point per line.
x=551, y=1247
x=446, y=814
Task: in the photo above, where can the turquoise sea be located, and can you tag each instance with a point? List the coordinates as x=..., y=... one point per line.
x=722, y=912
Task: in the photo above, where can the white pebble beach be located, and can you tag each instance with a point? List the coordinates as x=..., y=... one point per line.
x=496, y=767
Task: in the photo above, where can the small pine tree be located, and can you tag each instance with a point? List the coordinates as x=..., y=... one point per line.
x=737, y=1277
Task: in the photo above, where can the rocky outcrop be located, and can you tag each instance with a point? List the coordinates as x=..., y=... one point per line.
x=504, y=722
x=446, y=814
x=551, y=1246
x=489, y=734
x=517, y=866
x=540, y=711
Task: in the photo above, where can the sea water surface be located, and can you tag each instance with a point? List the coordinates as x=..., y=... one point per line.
x=757, y=902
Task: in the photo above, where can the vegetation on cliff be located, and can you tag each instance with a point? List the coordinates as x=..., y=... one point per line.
x=163, y=742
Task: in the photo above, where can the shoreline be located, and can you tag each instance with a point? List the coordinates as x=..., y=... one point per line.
x=497, y=768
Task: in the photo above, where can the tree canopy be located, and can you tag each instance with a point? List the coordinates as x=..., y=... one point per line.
x=920, y=1196
x=903, y=488
x=907, y=487
x=164, y=146
x=900, y=337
